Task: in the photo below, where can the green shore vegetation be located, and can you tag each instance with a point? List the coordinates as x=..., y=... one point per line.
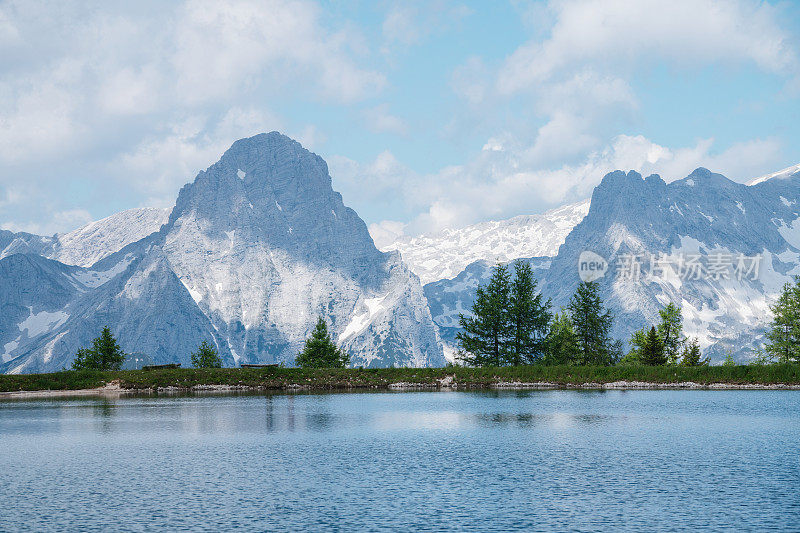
x=324, y=379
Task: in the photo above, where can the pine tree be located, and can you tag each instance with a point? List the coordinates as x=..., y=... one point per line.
x=592, y=323
x=784, y=334
x=529, y=316
x=671, y=332
x=692, y=355
x=484, y=339
x=652, y=352
x=561, y=342
x=320, y=351
x=206, y=357
x=105, y=354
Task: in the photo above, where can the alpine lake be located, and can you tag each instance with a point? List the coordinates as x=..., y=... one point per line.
x=411, y=461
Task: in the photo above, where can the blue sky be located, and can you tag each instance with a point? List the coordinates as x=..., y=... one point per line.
x=430, y=114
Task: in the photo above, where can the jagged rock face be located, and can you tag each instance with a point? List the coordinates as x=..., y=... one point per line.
x=254, y=250
x=264, y=245
x=704, y=214
x=51, y=310
x=445, y=255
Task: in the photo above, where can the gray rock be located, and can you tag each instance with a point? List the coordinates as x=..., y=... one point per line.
x=254, y=251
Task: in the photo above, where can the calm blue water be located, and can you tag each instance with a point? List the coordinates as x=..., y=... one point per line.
x=545, y=460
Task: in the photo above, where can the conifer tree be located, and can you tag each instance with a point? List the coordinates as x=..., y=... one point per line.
x=320, y=351
x=484, y=339
x=592, y=323
x=784, y=334
x=561, y=342
x=652, y=352
x=692, y=355
x=206, y=357
x=105, y=354
x=529, y=316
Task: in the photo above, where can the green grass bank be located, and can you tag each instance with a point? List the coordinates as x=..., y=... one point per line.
x=342, y=379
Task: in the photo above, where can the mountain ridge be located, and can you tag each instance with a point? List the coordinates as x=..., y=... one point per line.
x=256, y=247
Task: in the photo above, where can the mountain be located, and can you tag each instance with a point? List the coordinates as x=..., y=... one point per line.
x=254, y=250
x=87, y=245
x=705, y=215
x=785, y=173
x=445, y=255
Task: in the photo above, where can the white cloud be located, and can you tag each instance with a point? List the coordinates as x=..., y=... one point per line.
x=381, y=179
x=380, y=120
x=400, y=25
x=147, y=94
x=574, y=86
x=499, y=184
x=409, y=23
x=386, y=232
x=620, y=35
x=59, y=221
x=169, y=160
x=84, y=72
x=222, y=46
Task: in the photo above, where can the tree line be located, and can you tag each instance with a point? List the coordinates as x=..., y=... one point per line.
x=512, y=324
x=106, y=354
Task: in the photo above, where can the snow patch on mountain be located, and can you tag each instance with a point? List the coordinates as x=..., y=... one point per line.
x=444, y=255
x=42, y=321
x=96, y=240
x=785, y=173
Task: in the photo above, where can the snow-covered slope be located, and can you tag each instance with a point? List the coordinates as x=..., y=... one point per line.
x=704, y=215
x=445, y=255
x=254, y=251
x=785, y=173
x=87, y=245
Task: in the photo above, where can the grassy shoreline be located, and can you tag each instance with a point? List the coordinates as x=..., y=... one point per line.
x=276, y=379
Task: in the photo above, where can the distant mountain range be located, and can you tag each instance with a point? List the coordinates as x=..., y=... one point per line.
x=704, y=218
x=259, y=245
x=445, y=255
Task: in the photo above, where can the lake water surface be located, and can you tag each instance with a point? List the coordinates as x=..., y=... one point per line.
x=421, y=461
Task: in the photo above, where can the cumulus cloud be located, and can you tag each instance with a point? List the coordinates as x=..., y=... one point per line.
x=380, y=120
x=620, y=35
x=409, y=23
x=149, y=100
x=174, y=157
x=575, y=85
x=386, y=232
x=498, y=184
x=381, y=179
